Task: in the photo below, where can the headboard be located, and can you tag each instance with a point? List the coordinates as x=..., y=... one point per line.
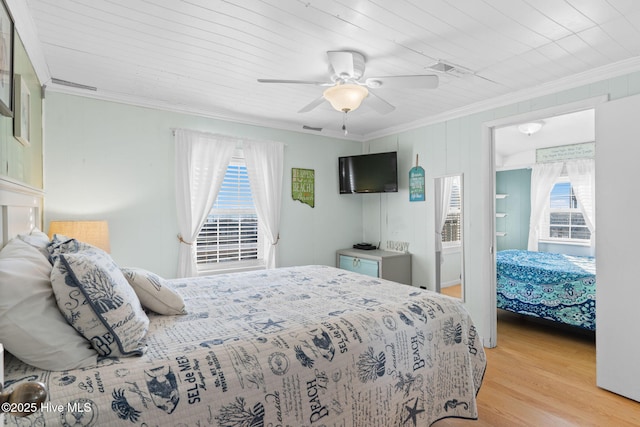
x=20, y=209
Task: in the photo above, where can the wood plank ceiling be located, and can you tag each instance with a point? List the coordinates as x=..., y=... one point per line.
x=204, y=56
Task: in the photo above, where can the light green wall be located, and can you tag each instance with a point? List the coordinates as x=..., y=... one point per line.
x=106, y=160
x=516, y=184
x=456, y=146
x=19, y=162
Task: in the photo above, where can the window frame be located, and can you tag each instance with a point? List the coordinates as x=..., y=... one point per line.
x=212, y=267
x=545, y=222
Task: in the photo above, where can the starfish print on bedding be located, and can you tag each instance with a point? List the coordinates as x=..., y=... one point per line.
x=413, y=412
x=263, y=326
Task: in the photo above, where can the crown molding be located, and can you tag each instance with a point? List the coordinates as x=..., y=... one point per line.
x=576, y=80
x=185, y=109
x=597, y=74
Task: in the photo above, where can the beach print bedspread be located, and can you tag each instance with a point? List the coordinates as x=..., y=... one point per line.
x=299, y=346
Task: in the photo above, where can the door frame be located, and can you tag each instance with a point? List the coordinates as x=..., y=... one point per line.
x=488, y=145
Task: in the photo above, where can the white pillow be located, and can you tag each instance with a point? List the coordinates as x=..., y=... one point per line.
x=35, y=238
x=31, y=326
x=98, y=302
x=154, y=292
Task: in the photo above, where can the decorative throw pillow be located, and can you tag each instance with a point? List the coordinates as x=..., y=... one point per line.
x=97, y=301
x=31, y=326
x=154, y=292
x=61, y=244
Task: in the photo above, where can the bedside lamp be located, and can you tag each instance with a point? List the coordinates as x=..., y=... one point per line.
x=95, y=233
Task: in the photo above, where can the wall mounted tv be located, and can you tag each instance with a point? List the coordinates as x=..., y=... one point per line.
x=368, y=173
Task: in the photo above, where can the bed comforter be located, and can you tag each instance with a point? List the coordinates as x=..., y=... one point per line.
x=298, y=346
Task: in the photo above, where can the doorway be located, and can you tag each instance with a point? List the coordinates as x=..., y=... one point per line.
x=514, y=157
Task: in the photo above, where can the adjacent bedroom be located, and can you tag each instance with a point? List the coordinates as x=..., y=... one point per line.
x=545, y=219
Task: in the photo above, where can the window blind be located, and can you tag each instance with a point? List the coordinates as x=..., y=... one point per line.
x=230, y=232
x=451, y=232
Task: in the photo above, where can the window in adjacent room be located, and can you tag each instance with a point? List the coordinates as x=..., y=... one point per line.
x=230, y=237
x=563, y=220
x=451, y=232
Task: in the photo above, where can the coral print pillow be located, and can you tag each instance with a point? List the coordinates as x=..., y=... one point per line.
x=97, y=301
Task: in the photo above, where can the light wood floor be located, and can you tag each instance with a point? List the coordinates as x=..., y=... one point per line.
x=452, y=291
x=541, y=374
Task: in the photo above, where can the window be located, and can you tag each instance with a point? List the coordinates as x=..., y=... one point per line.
x=230, y=236
x=452, y=230
x=563, y=220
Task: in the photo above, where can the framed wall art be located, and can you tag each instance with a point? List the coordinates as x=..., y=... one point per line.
x=6, y=61
x=22, y=116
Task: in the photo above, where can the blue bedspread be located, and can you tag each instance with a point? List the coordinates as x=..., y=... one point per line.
x=558, y=287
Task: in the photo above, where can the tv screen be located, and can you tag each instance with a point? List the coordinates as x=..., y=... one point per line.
x=368, y=173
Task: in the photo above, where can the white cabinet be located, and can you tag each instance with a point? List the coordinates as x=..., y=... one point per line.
x=388, y=265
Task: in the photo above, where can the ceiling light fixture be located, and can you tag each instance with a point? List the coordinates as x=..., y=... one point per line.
x=530, y=128
x=346, y=97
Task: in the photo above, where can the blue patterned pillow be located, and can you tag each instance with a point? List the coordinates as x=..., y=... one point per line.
x=98, y=302
x=61, y=244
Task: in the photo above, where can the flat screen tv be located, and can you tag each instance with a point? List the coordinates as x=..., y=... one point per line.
x=368, y=173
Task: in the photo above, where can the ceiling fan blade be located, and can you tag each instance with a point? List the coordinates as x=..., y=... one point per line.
x=341, y=63
x=403, y=82
x=313, y=104
x=302, y=82
x=379, y=104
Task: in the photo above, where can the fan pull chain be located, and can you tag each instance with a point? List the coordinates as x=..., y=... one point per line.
x=344, y=123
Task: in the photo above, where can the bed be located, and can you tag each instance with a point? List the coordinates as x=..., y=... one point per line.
x=552, y=286
x=298, y=346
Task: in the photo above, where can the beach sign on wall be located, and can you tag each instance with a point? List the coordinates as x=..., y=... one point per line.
x=303, y=185
x=416, y=183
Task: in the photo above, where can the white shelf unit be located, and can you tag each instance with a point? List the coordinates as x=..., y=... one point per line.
x=501, y=196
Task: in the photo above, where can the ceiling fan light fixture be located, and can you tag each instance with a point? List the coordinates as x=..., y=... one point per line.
x=346, y=97
x=530, y=128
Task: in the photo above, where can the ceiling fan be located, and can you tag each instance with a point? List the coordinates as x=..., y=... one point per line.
x=346, y=91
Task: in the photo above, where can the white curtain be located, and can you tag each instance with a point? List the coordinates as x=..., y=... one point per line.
x=582, y=175
x=543, y=177
x=442, y=193
x=200, y=166
x=265, y=167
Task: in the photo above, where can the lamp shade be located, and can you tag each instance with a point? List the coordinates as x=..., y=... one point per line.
x=346, y=97
x=95, y=233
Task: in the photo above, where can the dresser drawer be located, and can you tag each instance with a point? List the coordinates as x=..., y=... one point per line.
x=359, y=265
x=393, y=266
